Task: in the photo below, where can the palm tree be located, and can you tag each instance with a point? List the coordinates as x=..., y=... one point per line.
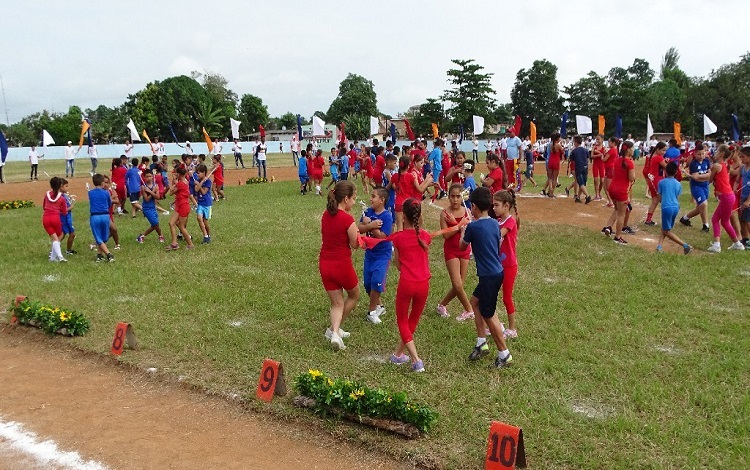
x=669, y=61
x=208, y=117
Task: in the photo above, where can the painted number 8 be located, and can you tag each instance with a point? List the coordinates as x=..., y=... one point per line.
x=117, y=342
x=268, y=376
x=498, y=452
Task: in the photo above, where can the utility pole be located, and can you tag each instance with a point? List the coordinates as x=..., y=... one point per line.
x=5, y=103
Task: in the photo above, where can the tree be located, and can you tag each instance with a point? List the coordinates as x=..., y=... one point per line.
x=588, y=96
x=629, y=95
x=209, y=117
x=288, y=120
x=223, y=99
x=253, y=113
x=503, y=113
x=535, y=97
x=357, y=126
x=356, y=97
x=471, y=94
x=667, y=103
x=669, y=62
x=427, y=113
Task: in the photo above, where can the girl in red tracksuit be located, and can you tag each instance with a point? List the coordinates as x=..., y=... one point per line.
x=54, y=206
x=411, y=258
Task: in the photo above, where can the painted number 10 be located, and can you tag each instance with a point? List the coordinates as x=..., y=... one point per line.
x=501, y=447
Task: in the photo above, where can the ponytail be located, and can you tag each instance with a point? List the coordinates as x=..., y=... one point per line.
x=508, y=196
x=341, y=191
x=331, y=205
x=413, y=212
x=658, y=146
x=626, y=146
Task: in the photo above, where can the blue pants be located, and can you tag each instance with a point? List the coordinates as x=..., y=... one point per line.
x=69, y=167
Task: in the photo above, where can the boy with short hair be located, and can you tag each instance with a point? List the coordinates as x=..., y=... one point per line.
x=483, y=234
x=391, y=162
x=304, y=178
x=469, y=183
x=133, y=183
x=376, y=222
x=67, y=219
x=205, y=202
x=668, y=192
x=150, y=193
x=333, y=161
x=580, y=157
x=744, y=180
x=99, y=204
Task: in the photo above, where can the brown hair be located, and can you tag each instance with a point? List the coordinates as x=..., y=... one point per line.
x=722, y=151
x=413, y=212
x=341, y=191
x=508, y=196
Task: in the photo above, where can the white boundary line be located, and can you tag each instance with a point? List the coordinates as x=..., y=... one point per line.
x=44, y=452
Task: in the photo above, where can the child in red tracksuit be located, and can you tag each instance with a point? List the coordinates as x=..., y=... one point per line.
x=54, y=206
x=411, y=258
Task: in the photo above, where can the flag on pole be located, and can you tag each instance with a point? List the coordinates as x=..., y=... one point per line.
x=517, y=125
x=678, y=133
x=649, y=127
x=601, y=125
x=207, y=138
x=735, y=128
x=299, y=128
x=618, y=127
x=435, y=132
x=478, y=122
x=134, y=137
x=47, y=139
x=393, y=133
x=409, y=131
x=318, y=127
x=532, y=132
x=262, y=130
x=564, y=125
x=174, y=136
x=3, y=148
x=708, y=126
x=374, y=126
x=584, y=125
x=461, y=135
x=85, y=126
x=145, y=136
x=235, y=125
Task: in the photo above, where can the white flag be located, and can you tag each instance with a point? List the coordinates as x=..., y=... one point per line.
x=374, y=125
x=134, y=137
x=478, y=125
x=649, y=127
x=235, y=128
x=319, y=127
x=708, y=126
x=47, y=139
x=584, y=125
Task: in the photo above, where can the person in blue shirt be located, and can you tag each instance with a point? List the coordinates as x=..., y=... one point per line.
x=99, y=204
x=391, y=161
x=483, y=234
x=745, y=196
x=435, y=159
x=150, y=193
x=344, y=159
x=67, y=220
x=304, y=177
x=700, y=172
x=668, y=192
x=133, y=183
x=205, y=201
x=529, y=173
x=333, y=161
x=580, y=156
x=469, y=183
x=376, y=222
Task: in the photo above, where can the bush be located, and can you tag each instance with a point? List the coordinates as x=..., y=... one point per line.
x=17, y=204
x=256, y=180
x=51, y=319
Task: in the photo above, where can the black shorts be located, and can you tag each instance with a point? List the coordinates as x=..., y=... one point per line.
x=486, y=292
x=134, y=197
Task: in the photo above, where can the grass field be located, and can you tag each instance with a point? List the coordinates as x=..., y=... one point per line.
x=625, y=358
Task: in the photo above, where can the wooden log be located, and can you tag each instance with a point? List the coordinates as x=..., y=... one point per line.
x=407, y=430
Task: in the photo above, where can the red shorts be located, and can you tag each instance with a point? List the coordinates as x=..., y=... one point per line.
x=652, y=187
x=609, y=172
x=182, y=211
x=598, y=168
x=618, y=194
x=553, y=165
x=337, y=275
x=316, y=175
x=52, y=225
x=121, y=195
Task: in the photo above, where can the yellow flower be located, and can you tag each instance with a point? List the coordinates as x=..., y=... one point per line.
x=353, y=396
x=314, y=373
x=330, y=383
x=359, y=393
x=64, y=316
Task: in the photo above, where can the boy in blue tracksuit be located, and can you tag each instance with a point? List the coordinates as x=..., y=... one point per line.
x=133, y=184
x=302, y=172
x=376, y=222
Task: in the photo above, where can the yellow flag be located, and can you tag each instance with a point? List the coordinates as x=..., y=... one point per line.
x=208, y=140
x=532, y=131
x=601, y=125
x=677, y=133
x=435, y=132
x=149, y=141
x=84, y=127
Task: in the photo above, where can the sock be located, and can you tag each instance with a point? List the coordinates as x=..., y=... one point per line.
x=503, y=354
x=480, y=341
x=374, y=313
x=649, y=215
x=317, y=189
x=716, y=244
x=684, y=217
x=56, y=253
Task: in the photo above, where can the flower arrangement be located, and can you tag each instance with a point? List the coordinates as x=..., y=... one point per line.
x=51, y=319
x=358, y=399
x=255, y=180
x=17, y=204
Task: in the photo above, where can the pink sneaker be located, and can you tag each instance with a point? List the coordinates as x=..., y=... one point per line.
x=442, y=311
x=508, y=333
x=465, y=316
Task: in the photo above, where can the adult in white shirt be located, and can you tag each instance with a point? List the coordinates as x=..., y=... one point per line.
x=158, y=148
x=260, y=155
x=475, y=150
x=237, y=151
x=217, y=147
x=94, y=156
x=489, y=146
x=128, y=149
x=189, y=148
x=34, y=160
x=295, y=149
x=70, y=155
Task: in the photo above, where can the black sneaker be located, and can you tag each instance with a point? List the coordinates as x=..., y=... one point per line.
x=650, y=223
x=705, y=228
x=502, y=363
x=110, y=258
x=588, y=199
x=685, y=222
x=71, y=252
x=687, y=249
x=628, y=230
x=620, y=241
x=99, y=258
x=479, y=352
x=607, y=231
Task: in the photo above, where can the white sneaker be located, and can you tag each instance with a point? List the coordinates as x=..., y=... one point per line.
x=714, y=248
x=342, y=333
x=337, y=343
x=737, y=246
x=380, y=310
x=442, y=311
x=372, y=317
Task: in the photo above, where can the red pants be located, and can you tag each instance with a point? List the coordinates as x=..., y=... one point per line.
x=414, y=293
x=509, y=281
x=510, y=170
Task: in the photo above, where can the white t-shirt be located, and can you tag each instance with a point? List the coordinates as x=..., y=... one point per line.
x=295, y=145
x=476, y=144
x=489, y=145
x=159, y=148
x=92, y=152
x=237, y=148
x=70, y=153
x=262, y=152
x=217, y=148
x=33, y=157
x=129, y=150
x=504, y=144
x=189, y=149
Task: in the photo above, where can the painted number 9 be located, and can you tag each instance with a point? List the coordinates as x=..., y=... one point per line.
x=268, y=377
x=497, y=453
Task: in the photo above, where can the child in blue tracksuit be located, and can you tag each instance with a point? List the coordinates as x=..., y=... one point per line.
x=99, y=205
x=150, y=193
x=469, y=184
x=376, y=222
x=669, y=191
x=390, y=169
x=302, y=172
x=133, y=183
x=67, y=219
x=344, y=158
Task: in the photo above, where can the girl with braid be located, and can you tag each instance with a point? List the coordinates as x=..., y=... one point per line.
x=411, y=258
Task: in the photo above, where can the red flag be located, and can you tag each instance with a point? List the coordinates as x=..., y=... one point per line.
x=262, y=131
x=517, y=125
x=409, y=132
x=343, y=133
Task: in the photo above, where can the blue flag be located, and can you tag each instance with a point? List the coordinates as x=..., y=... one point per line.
x=393, y=133
x=299, y=127
x=618, y=127
x=3, y=147
x=735, y=128
x=564, y=125
x=174, y=136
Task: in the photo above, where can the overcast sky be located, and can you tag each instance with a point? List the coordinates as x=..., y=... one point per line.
x=294, y=53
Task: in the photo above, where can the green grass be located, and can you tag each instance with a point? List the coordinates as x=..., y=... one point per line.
x=651, y=350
